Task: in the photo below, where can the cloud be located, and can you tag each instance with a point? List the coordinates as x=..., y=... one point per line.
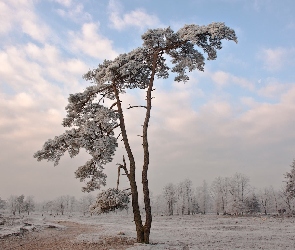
x=89, y=42
x=273, y=88
x=5, y=18
x=202, y=142
x=138, y=18
x=35, y=81
x=277, y=58
x=66, y=3
x=15, y=14
x=221, y=79
x=274, y=58
x=75, y=13
x=39, y=80
x=36, y=67
x=218, y=137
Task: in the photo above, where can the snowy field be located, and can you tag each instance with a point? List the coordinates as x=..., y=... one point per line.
x=174, y=232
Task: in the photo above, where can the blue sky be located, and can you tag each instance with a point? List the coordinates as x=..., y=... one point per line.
x=236, y=116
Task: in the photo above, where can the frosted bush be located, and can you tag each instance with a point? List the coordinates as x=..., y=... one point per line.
x=110, y=200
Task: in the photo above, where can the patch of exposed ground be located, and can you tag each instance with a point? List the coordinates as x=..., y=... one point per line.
x=57, y=239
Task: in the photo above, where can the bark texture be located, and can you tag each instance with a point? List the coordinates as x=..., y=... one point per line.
x=131, y=175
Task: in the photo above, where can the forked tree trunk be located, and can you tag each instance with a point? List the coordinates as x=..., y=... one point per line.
x=131, y=174
x=143, y=231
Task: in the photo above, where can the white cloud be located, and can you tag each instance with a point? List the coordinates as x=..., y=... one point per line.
x=218, y=136
x=91, y=43
x=32, y=67
x=39, y=80
x=244, y=83
x=15, y=14
x=23, y=100
x=75, y=13
x=272, y=88
x=66, y=3
x=138, y=18
x=5, y=18
x=217, y=109
x=222, y=79
x=273, y=58
x=35, y=30
x=276, y=59
x=248, y=101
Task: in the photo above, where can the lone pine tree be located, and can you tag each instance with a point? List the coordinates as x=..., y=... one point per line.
x=94, y=124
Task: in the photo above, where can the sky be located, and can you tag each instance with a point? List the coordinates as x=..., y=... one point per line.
x=235, y=117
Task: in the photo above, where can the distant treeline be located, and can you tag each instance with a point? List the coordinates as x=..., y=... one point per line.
x=226, y=195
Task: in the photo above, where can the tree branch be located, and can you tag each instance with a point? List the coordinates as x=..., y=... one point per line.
x=137, y=106
x=119, y=135
x=124, y=167
x=113, y=105
x=118, y=125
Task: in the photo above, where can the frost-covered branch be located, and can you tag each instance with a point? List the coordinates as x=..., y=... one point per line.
x=93, y=171
x=94, y=133
x=137, y=106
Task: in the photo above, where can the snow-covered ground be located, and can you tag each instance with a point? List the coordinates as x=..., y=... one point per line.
x=17, y=225
x=187, y=232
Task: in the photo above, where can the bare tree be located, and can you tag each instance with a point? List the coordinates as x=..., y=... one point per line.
x=2, y=203
x=49, y=207
x=12, y=204
x=184, y=197
x=159, y=203
x=287, y=201
x=220, y=194
x=170, y=197
x=239, y=189
x=275, y=196
x=204, y=197
x=29, y=204
x=85, y=202
x=20, y=204
x=94, y=124
x=268, y=200
x=61, y=204
x=290, y=182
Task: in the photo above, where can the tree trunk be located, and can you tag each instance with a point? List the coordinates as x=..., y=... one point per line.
x=131, y=174
x=146, y=157
x=136, y=212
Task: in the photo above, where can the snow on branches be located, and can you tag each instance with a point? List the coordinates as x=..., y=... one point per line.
x=92, y=124
x=94, y=171
x=110, y=200
x=180, y=46
x=290, y=182
x=94, y=132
